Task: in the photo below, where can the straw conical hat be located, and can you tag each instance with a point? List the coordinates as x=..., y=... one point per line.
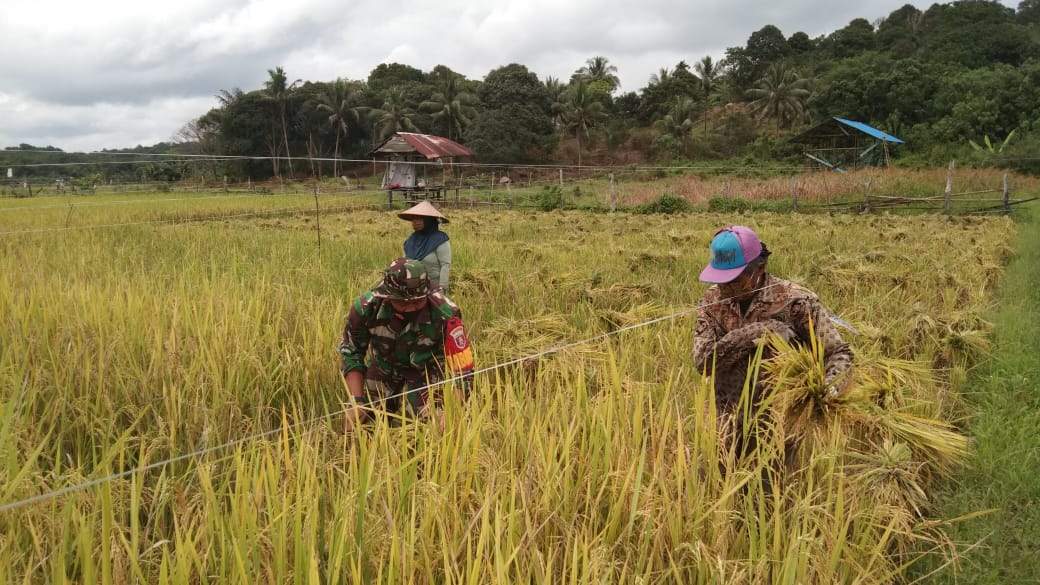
x=422, y=209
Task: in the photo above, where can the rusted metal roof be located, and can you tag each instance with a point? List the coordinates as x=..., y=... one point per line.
x=427, y=145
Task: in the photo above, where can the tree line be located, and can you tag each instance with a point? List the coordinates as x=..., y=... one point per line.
x=957, y=80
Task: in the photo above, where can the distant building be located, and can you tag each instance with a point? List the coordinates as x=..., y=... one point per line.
x=420, y=166
x=840, y=144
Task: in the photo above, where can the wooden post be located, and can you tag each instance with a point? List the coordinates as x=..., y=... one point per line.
x=509, y=190
x=561, y=180
x=866, y=196
x=1007, y=196
x=725, y=190
x=317, y=218
x=794, y=195
x=613, y=193
x=949, y=189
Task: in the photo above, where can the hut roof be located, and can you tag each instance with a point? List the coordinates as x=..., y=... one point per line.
x=836, y=127
x=426, y=145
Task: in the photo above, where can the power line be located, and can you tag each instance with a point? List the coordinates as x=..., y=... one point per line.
x=185, y=157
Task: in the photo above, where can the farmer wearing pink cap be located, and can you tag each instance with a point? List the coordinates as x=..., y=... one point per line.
x=745, y=305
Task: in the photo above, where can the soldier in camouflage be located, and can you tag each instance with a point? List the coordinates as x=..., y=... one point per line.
x=744, y=306
x=395, y=342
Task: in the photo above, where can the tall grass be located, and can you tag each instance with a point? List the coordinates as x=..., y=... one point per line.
x=125, y=346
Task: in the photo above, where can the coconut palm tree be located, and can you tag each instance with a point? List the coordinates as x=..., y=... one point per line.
x=661, y=76
x=708, y=72
x=336, y=101
x=394, y=116
x=557, y=99
x=679, y=121
x=598, y=70
x=278, y=90
x=781, y=95
x=452, y=105
x=582, y=112
x=228, y=97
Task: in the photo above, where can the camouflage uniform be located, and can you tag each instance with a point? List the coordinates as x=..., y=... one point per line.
x=404, y=352
x=728, y=337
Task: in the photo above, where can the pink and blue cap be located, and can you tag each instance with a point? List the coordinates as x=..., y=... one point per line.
x=732, y=249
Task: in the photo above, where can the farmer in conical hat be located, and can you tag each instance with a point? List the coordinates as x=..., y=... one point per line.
x=400, y=339
x=745, y=304
x=428, y=243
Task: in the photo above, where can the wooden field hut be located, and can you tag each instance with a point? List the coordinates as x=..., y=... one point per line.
x=420, y=166
x=839, y=144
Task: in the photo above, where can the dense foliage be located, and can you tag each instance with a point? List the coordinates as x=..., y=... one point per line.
x=939, y=78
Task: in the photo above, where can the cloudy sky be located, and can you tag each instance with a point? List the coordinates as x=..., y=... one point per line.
x=85, y=75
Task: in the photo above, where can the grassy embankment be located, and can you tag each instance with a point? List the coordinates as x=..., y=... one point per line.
x=1004, y=473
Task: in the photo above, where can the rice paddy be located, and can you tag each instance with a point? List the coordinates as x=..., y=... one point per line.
x=169, y=395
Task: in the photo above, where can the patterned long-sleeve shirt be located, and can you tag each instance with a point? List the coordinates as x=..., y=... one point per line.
x=726, y=337
x=398, y=348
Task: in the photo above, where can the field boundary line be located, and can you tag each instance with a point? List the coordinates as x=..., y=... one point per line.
x=296, y=209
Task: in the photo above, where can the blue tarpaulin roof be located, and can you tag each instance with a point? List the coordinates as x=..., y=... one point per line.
x=869, y=130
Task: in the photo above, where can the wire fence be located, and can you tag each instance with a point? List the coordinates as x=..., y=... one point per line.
x=720, y=188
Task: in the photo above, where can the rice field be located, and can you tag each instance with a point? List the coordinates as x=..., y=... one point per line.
x=169, y=395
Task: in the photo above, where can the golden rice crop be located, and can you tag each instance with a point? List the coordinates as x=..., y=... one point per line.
x=214, y=344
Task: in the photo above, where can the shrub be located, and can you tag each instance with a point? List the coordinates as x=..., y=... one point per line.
x=667, y=147
x=667, y=204
x=728, y=204
x=549, y=199
x=719, y=204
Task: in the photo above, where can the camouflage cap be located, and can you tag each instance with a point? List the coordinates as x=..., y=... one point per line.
x=404, y=280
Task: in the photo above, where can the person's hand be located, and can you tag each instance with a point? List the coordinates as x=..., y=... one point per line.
x=764, y=330
x=781, y=329
x=353, y=416
x=834, y=385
